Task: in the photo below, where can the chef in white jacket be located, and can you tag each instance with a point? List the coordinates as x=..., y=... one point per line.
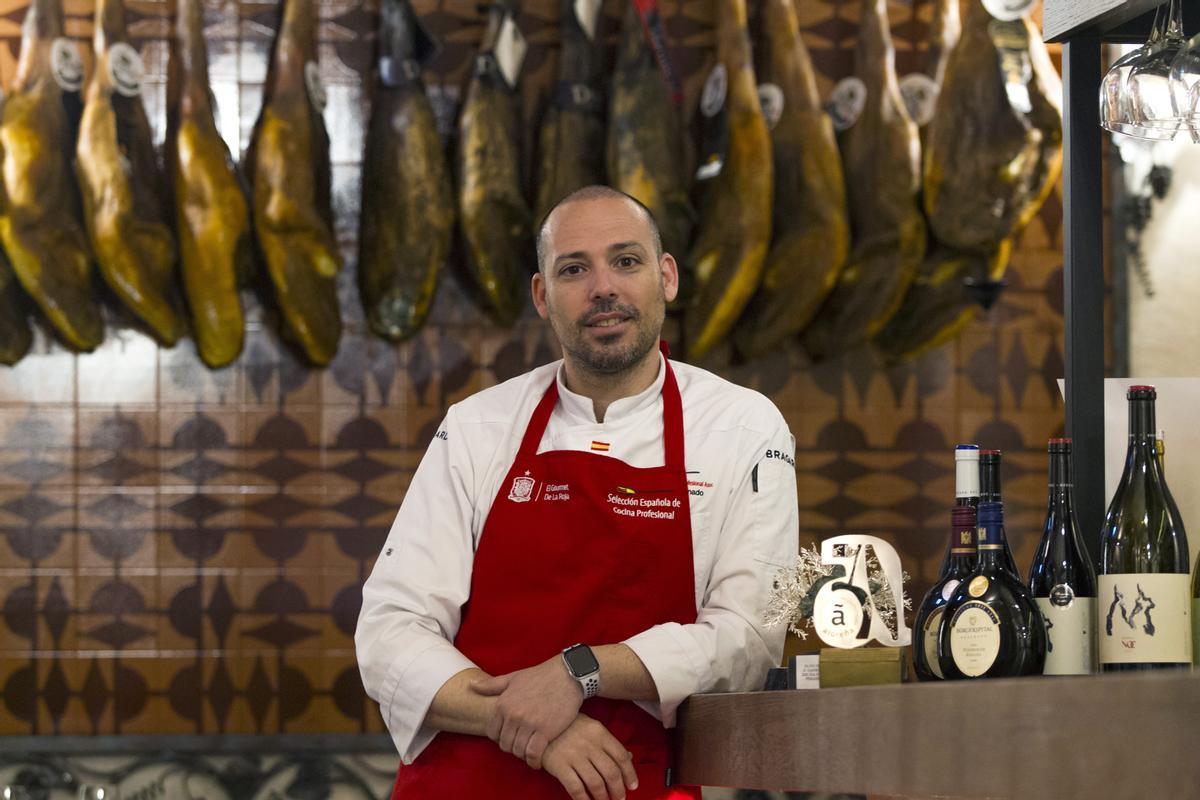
x=582, y=547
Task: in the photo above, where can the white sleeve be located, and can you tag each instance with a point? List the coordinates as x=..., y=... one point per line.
x=412, y=601
x=729, y=649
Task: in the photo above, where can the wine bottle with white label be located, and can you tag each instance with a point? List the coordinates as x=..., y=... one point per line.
x=1144, y=598
x=958, y=563
x=991, y=626
x=1062, y=578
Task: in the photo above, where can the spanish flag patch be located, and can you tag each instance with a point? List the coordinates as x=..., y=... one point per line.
x=600, y=447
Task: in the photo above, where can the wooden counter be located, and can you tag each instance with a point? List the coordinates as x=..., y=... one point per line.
x=1103, y=736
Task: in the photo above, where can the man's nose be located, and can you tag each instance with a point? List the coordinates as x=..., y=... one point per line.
x=603, y=284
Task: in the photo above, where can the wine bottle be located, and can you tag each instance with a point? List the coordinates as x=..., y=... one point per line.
x=958, y=563
x=966, y=475
x=1145, y=607
x=989, y=476
x=1062, y=578
x=991, y=626
x=989, y=492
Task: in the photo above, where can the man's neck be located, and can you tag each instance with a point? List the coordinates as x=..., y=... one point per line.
x=604, y=390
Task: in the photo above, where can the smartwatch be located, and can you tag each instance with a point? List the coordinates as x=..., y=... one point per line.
x=582, y=666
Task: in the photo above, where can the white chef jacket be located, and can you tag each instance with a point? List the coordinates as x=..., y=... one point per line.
x=739, y=457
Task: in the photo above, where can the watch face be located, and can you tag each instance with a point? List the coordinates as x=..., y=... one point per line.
x=581, y=661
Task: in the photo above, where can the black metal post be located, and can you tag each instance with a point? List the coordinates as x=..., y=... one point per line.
x=1083, y=276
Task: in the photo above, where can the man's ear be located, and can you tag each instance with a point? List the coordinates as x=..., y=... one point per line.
x=670, y=276
x=537, y=287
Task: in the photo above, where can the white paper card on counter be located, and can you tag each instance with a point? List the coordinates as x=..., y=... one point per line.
x=1175, y=413
x=807, y=670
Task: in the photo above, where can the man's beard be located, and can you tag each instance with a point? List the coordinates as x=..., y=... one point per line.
x=601, y=360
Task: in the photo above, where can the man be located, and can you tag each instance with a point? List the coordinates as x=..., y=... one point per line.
x=615, y=500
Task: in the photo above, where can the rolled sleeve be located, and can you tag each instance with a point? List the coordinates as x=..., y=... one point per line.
x=729, y=648
x=411, y=692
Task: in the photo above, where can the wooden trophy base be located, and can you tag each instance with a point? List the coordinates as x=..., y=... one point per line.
x=862, y=666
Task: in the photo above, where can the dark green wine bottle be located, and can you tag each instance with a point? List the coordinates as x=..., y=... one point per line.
x=1144, y=598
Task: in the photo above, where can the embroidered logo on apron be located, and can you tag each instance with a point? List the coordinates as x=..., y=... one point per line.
x=522, y=489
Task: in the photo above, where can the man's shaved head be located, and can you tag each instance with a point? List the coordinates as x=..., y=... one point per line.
x=594, y=192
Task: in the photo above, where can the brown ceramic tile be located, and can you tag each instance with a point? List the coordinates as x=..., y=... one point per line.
x=196, y=526
x=37, y=526
x=168, y=689
x=117, y=446
x=38, y=446
x=185, y=380
x=117, y=612
x=117, y=527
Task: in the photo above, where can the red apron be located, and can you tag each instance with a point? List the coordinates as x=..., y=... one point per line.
x=578, y=547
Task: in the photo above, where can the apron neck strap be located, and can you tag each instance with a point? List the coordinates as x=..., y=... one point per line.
x=673, y=449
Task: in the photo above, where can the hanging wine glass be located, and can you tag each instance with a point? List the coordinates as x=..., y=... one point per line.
x=1185, y=82
x=1116, y=112
x=1151, y=100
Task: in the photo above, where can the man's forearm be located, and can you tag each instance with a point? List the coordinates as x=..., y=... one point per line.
x=623, y=676
x=457, y=708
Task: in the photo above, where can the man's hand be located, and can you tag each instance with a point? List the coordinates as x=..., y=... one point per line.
x=535, y=706
x=589, y=762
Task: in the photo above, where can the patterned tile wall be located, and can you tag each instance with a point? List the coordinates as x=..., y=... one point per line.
x=181, y=550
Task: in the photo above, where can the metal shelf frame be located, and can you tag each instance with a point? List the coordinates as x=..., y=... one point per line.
x=1083, y=26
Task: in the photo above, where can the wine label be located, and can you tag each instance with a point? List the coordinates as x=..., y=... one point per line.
x=1008, y=10
x=929, y=640
x=125, y=68
x=978, y=586
x=1070, y=632
x=1145, y=618
x=847, y=103
x=920, y=94
x=948, y=589
x=974, y=638
x=66, y=64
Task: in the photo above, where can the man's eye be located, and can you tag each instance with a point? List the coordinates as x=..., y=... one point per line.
x=627, y=261
x=571, y=269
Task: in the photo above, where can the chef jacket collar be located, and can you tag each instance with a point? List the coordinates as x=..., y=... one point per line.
x=581, y=411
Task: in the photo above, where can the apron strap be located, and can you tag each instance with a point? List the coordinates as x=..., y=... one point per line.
x=540, y=419
x=673, y=450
